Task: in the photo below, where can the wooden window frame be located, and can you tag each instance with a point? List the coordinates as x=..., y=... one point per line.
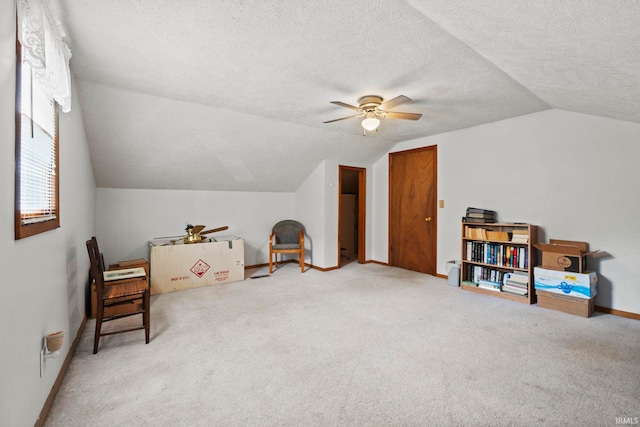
x=31, y=229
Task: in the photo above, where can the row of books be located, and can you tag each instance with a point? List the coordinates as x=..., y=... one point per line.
x=516, y=283
x=498, y=254
x=480, y=215
x=486, y=275
x=479, y=233
x=484, y=234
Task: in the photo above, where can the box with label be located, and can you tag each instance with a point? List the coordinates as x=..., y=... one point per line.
x=579, y=306
x=580, y=285
x=564, y=255
x=179, y=266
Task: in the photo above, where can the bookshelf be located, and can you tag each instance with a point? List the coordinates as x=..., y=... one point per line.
x=498, y=260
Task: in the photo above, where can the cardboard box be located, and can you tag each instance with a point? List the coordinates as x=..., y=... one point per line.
x=564, y=255
x=179, y=266
x=579, y=285
x=577, y=306
x=132, y=305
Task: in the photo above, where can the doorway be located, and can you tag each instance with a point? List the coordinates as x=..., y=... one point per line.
x=412, y=209
x=351, y=214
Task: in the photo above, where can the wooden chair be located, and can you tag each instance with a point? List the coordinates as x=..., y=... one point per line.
x=287, y=237
x=116, y=292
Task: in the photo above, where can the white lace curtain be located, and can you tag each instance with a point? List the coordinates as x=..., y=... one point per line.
x=40, y=34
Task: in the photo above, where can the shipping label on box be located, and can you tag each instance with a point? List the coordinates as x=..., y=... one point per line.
x=176, y=267
x=581, y=285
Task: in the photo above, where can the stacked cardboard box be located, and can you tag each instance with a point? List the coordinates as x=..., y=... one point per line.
x=579, y=285
x=565, y=255
x=562, y=282
x=572, y=305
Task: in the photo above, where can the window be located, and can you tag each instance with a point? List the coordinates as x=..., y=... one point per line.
x=37, y=194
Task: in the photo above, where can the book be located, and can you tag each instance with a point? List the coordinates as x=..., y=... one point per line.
x=478, y=210
x=518, y=277
x=128, y=273
x=486, y=220
x=514, y=290
x=475, y=233
x=492, y=286
x=481, y=215
x=520, y=236
x=501, y=236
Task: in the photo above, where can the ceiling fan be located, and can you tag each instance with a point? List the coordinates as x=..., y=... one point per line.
x=372, y=108
x=194, y=234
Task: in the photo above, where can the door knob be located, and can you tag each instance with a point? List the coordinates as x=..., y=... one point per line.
x=428, y=219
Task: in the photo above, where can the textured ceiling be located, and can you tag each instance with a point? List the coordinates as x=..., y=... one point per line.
x=231, y=95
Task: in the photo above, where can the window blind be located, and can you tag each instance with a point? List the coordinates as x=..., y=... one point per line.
x=37, y=153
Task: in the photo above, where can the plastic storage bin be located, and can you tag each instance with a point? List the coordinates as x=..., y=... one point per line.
x=453, y=272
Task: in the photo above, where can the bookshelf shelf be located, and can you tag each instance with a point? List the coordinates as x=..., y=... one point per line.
x=494, y=264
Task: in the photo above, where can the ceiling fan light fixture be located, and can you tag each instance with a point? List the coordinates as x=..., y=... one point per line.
x=370, y=122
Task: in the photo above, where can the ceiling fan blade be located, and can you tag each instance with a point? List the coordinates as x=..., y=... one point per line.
x=213, y=230
x=393, y=102
x=343, y=118
x=342, y=104
x=197, y=228
x=404, y=116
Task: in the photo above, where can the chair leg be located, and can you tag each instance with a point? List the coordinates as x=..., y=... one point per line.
x=99, y=316
x=302, y=261
x=270, y=263
x=147, y=314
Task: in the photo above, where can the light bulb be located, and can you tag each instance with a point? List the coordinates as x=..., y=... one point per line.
x=371, y=122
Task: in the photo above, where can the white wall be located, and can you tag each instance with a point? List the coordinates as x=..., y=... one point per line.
x=575, y=176
x=44, y=277
x=379, y=217
x=331, y=197
x=317, y=208
x=310, y=201
x=128, y=219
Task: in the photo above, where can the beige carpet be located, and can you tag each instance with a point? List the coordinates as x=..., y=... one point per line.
x=365, y=345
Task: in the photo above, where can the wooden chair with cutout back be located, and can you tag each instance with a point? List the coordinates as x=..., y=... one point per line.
x=287, y=237
x=115, y=292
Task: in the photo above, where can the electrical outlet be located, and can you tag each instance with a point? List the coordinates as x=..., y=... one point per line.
x=441, y=204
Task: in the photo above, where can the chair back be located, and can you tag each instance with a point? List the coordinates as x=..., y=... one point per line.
x=97, y=266
x=288, y=231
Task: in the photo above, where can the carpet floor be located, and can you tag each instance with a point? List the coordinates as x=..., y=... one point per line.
x=366, y=345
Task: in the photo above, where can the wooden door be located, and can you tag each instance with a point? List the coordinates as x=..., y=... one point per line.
x=412, y=209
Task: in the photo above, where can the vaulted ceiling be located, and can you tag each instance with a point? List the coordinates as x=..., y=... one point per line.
x=232, y=95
